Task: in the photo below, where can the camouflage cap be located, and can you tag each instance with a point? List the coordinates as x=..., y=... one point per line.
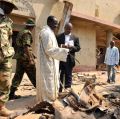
x=2, y=12
x=10, y=2
x=30, y=22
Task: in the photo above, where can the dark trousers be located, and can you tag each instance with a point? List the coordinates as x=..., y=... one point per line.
x=21, y=68
x=65, y=75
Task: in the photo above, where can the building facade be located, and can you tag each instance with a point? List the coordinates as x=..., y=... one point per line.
x=95, y=23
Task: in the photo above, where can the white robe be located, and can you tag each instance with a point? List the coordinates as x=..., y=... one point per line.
x=48, y=65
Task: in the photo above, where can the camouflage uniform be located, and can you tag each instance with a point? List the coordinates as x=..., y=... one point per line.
x=6, y=53
x=23, y=40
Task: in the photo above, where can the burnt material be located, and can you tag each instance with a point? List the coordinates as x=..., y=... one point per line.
x=42, y=107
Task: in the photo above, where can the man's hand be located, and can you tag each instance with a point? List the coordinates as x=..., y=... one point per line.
x=116, y=65
x=69, y=46
x=64, y=46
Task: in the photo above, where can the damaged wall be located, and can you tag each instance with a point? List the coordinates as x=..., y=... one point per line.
x=87, y=54
x=107, y=10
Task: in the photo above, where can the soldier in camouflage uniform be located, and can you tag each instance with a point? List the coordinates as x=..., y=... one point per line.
x=6, y=54
x=25, y=58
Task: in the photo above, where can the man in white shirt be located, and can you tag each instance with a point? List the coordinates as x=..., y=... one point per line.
x=111, y=60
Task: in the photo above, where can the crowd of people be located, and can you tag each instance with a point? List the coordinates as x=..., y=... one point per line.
x=52, y=49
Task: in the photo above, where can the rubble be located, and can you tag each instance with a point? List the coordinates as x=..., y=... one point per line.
x=45, y=109
x=83, y=77
x=92, y=100
x=89, y=101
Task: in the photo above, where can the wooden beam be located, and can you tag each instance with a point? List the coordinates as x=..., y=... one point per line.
x=66, y=15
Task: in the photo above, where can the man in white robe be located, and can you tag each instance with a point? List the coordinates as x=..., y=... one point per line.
x=48, y=62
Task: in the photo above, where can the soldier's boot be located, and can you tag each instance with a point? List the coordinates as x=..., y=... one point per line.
x=12, y=94
x=5, y=112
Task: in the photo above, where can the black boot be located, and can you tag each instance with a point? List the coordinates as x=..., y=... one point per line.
x=12, y=94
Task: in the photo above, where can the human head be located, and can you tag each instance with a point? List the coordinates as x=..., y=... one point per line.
x=30, y=24
x=68, y=28
x=52, y=22
x=7, y=6
x=112, y=44
x=101, y=50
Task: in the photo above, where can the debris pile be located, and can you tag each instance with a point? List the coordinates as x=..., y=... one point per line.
x=83, y=77
x=88, y=101
x=82, y=104
x=45, y=109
